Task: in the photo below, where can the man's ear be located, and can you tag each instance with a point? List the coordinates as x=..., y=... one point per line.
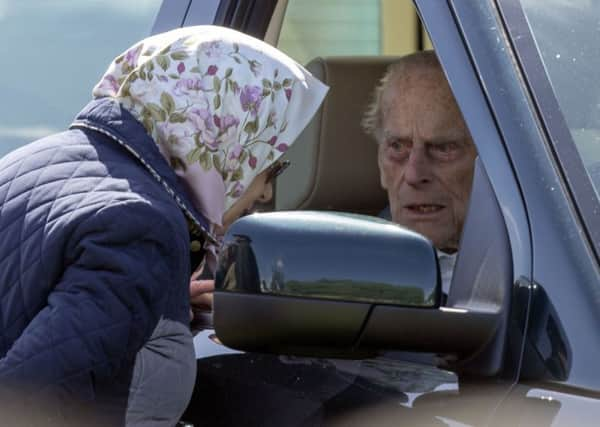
x=382, y=174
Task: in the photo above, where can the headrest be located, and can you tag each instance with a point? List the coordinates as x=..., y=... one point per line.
x=334, y=164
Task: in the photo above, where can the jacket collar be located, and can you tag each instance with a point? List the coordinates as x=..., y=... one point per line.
x=108, y=117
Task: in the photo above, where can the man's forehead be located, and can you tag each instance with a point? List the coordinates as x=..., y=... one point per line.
x=416, y=82
x=423, y=99
x=437, y=124
x=436, y=136
x=418, y=74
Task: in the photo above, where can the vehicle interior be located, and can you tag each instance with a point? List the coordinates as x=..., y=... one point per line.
x=334, y=163
x=334, y=168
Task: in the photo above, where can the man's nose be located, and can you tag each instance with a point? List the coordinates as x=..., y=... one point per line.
x=267, y=193
x=418, y=167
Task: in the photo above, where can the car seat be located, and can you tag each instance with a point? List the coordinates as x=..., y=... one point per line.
x=334, y=163
x=335, y=168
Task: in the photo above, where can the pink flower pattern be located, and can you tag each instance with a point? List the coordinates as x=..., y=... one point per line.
x=212, y=49
x=132, y=55
x=251, y=98
x=282, y=148
x=252, y=161
x=207, y=100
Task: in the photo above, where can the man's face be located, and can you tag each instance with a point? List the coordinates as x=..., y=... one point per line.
x=426, y=158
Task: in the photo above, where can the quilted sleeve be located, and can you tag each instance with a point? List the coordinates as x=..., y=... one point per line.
x=121, y=265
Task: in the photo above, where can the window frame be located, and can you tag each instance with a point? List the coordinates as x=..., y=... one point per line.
x=560, y=258
x=453, y=48
x=553, y=122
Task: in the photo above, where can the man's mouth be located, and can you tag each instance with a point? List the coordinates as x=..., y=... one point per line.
x=423, y=209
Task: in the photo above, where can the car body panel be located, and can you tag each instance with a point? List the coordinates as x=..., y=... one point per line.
x=558, y=238
x=172, y=15
x=544, y=230
x=273, y=390
x=201, y=12
x=552, y=44
x=350, y=394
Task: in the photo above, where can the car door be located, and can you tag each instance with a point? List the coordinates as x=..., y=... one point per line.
x=249, y=16
x=261, y=389
x=533, y=63
x=546, y=370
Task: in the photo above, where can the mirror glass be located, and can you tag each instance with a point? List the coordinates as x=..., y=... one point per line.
x=346, y=257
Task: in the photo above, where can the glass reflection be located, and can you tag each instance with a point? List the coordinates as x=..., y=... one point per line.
x=347, y=261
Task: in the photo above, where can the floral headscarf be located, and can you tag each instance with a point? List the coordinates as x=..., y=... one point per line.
x=221, y=105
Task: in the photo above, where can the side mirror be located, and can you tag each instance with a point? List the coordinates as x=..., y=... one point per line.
x=342, y=257
x=333, y=284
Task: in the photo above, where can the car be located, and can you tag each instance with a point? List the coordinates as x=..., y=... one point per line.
x=325, y=314
x=515, y=344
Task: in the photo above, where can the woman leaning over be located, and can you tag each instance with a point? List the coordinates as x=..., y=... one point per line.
x=97, y=222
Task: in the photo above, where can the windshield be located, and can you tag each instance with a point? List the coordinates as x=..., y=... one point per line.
x=566, y=34
x=53, y=53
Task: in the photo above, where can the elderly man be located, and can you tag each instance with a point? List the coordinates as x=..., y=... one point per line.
x=426, y=155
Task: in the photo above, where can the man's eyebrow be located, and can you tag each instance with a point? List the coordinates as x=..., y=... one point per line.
x=440, y=141
x=389, y=135
x=448, y=139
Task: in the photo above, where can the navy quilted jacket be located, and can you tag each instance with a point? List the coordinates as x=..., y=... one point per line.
x=94, y=251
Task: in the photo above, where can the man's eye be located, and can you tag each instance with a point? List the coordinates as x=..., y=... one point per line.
x=446, y=147
x=398, y=148
x=444, y=150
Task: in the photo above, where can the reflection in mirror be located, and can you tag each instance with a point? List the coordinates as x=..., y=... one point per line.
x=328, y=256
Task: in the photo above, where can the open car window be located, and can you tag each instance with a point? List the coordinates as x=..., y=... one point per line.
x=344, y=28
x=348, y=45
x=53, y=55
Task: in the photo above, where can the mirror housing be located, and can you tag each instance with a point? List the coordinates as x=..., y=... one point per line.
x=335, y=285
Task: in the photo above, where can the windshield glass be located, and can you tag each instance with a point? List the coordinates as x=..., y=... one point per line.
x=566, y=33
x=53, y=54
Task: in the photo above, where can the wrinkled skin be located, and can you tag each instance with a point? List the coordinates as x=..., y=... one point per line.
x=426, y=157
